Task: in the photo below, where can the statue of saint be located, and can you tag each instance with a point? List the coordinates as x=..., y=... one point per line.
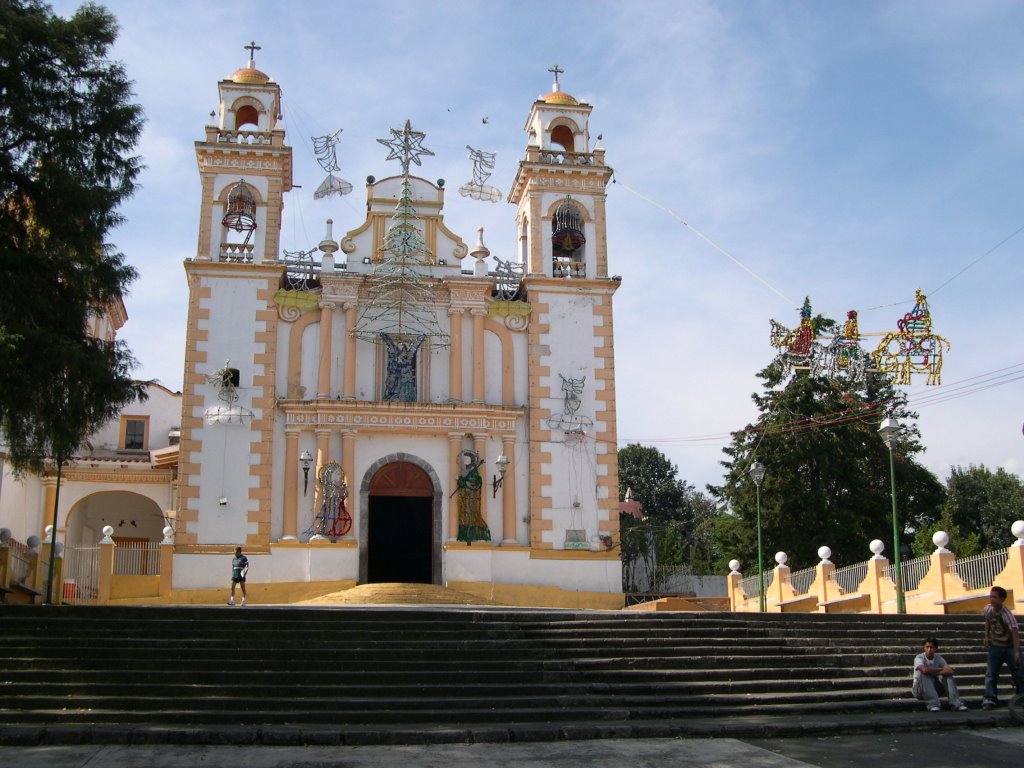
x=400, y=383
x=471, y=523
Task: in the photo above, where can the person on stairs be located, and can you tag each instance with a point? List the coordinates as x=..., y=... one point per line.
x=239, y=569
x=933, y=678
x=1002, y=646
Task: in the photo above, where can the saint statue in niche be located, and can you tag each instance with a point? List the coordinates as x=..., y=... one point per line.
x=400, y=382
x=471, y=523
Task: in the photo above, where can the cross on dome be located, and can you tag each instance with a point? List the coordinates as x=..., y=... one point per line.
x=556, y=71
x=252, y=48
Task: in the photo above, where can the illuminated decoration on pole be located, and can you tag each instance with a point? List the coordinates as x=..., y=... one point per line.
x=400, y=304
x=326, y=156
x=301, y=272
x=913, y=348
x=478, y=188
x=333, y=519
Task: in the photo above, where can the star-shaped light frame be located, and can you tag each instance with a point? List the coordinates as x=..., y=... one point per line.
x=406, y=145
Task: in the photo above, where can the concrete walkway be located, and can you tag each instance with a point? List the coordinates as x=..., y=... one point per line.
x=992, y=748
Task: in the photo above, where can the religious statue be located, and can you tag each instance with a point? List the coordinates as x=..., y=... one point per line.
x=400, y=383
x=471, y=523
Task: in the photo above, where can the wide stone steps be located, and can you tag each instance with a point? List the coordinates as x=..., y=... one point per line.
x=147, y=669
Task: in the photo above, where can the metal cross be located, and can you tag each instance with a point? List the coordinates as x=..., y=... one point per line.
x=556, y=71
x=252, y=48
x=406, y=145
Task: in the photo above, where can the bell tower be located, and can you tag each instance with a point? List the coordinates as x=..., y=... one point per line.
x=227, y=425
x=245, y=169
x=559, y=192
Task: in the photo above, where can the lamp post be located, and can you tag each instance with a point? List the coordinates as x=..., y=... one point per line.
x=306, y=460
x=889, y=429
x=757, y=474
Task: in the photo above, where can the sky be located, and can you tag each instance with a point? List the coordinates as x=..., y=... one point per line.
x=851, y=152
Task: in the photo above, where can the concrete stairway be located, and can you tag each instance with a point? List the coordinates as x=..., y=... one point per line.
x=367, y=675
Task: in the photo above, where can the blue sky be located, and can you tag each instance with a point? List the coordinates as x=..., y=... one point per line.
x=847, y=151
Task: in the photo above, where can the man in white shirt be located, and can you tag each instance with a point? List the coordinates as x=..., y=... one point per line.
x=933, y=678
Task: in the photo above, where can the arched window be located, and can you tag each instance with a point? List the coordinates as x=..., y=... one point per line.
x=562, y=136
x=247, y=118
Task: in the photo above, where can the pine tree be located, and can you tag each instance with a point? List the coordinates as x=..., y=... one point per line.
x=67, y=130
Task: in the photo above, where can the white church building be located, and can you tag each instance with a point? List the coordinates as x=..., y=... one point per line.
x=395, y=407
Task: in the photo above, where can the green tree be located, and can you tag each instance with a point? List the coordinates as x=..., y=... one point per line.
x=67, y=131
x=979, y=509
x=827, y=471
x=673, y=529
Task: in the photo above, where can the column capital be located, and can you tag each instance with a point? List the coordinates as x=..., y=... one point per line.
x=322, y=432
x=328, y=304
x=350, y=306
x=456, y=310
x=292, y=430
x=478, y=311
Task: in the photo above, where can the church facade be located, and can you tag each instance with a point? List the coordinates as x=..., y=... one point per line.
x=396, y=406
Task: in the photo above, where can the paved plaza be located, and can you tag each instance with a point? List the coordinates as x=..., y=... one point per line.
x=991, y=748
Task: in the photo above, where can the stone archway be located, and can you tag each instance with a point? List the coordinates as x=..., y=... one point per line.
x=400, y=527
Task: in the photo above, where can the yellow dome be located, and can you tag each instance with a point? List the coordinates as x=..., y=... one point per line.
x=250, y=76
x=560, y=97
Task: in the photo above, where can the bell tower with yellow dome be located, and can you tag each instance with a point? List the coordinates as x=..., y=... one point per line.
x=559, y=192
x=228, y=397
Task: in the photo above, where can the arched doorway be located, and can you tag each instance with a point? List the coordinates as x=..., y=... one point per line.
x=400, y=530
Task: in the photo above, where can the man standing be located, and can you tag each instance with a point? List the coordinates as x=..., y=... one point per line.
x=1002, y=641
x=933, y=678
x=239, y=569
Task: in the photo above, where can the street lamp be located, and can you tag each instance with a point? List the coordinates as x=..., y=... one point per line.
x=889, y=429
x=757, y=474
x=306, y=460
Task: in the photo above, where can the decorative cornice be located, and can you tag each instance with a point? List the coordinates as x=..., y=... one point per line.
x=428, y=418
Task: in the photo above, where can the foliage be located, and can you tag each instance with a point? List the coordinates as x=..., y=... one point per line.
x=67, y=130
x=979, y=509
x=675, y=528
x=827, y=479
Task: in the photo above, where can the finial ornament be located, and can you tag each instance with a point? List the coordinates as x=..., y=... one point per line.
x=406, y=145
x=252, y=48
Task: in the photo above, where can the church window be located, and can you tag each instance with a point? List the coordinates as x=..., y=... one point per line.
x=133, y=433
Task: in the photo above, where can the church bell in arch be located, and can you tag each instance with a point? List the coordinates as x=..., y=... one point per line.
x=567, y=229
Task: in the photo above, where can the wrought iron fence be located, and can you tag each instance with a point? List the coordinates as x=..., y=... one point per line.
x=81, y=574
x=801, y=581
x=980, y=571
x=20, y=565
x=749, y=585
x=911, y=570
x=849, y=577
x=137, y=559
